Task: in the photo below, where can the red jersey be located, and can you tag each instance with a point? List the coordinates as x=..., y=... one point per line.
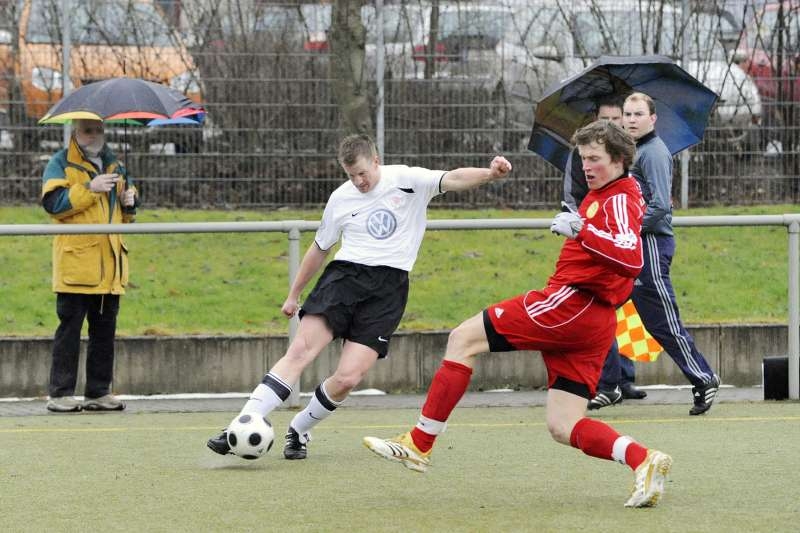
x=606, y=256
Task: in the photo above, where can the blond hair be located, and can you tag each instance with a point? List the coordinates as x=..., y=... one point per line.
x=354, y=146
x=641, y=97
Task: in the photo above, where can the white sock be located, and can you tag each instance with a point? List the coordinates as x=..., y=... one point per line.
x=619, y=449
x=431, y=426
x=268, y=395
x=318, y=409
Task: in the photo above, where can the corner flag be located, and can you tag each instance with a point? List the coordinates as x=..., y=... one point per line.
x=634, y=341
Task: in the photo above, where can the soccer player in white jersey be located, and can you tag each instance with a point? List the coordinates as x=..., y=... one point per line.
x=380, y=214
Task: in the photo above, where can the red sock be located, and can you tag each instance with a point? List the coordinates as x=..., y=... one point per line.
x=593, y=438
x=447, y=387
x=635, y=454
x=597, y=439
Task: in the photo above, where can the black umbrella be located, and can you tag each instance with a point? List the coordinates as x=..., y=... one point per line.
x=683, y=104
x=124, y=100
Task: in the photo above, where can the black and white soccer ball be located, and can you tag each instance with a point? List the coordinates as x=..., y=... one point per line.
x=250, y=436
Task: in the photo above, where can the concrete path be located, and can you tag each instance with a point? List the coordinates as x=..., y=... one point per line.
x=657, y=394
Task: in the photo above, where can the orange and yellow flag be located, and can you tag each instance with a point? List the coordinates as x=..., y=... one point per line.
x=634, y=341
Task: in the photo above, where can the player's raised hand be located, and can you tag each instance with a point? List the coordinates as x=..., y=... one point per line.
x=499, y=168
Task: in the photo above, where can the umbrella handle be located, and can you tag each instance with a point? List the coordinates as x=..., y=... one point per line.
x=565, y=207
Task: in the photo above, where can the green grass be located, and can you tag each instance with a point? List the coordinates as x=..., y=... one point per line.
x=236, y=283
x=496, y=469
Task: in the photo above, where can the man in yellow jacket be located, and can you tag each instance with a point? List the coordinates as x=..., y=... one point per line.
x=85, y=184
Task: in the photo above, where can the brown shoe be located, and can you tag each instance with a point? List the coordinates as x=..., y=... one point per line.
x=103, y=403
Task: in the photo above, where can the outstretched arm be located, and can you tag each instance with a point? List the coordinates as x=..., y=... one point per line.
x=309, y=266
x=463, y=179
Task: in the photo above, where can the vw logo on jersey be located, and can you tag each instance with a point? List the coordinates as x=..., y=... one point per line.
x=381, y=224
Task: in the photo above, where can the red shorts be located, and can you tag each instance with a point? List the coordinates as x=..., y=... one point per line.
x=571, y=328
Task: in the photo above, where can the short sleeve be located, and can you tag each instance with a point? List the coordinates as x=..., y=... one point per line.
x=329, y=229
x=424, y=181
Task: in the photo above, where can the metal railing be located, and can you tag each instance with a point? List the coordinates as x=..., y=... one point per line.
x=294, y=227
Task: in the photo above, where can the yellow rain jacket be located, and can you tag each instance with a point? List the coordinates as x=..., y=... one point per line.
x=86, y=264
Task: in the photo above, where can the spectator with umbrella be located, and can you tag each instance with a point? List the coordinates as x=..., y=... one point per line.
x=85, y=183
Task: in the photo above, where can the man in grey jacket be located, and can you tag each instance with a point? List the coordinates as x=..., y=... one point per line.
x=653, y=294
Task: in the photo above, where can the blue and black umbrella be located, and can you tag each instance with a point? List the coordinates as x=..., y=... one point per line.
x=683, y=104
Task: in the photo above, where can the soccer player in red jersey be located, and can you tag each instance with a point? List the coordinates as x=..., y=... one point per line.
x=571, y=322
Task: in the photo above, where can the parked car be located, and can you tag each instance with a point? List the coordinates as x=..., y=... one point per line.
x=305, y=26
x=556, y=44
x=108, y=39
x=260, y=54
x=465, y=41
x=405, y=27
x=6, y=75
x=769, y=51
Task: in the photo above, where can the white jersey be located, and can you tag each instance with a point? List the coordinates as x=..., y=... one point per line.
x=385, y=226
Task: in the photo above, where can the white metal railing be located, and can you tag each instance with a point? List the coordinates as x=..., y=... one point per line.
x=294, y=227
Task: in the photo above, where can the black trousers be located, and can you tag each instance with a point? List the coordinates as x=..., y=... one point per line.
x=101, y=310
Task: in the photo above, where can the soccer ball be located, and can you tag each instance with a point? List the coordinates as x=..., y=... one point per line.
x=250, y=436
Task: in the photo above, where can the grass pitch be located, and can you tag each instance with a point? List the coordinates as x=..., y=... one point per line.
x=495, y=469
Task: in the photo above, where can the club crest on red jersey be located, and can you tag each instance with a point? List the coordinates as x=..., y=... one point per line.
x=592, y=210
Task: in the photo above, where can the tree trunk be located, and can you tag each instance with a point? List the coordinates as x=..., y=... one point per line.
x=430, y=50
x=347, y=41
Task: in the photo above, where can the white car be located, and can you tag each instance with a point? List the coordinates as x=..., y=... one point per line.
x=464, y=51
x=405, y=27
x=557, y=43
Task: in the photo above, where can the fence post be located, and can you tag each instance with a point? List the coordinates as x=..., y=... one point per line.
x=294, y=266
x=685, y=153
x=794, y=310
x=379, y=75
x=66, y=59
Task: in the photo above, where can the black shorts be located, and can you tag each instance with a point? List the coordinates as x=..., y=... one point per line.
x=363, y=304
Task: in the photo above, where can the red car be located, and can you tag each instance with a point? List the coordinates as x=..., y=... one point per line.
x=769, y=51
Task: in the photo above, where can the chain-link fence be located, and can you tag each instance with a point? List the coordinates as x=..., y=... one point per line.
x=460, y=83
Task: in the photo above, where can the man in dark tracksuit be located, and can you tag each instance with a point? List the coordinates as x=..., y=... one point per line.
x=653, y=295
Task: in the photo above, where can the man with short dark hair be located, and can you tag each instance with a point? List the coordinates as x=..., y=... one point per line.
x=380, y=214
x=653, y=294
